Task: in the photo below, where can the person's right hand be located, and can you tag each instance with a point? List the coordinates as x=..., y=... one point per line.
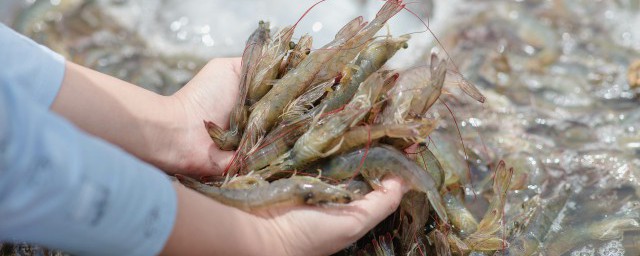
x=308, y=230
x=206, y=227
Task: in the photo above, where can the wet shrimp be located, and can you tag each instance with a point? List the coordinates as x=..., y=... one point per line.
x=297, y=190
x=461, y=218
x=266, y=112
x=372, y=58
x=428, y=161
x=416, y=90
x=269, y=64
x=359, y=136
x=376, y=162
x=355, y=44
x=314, y=143
x=244, y=182
x=485, y=238
x=528, y=241
x=300, y=51
x=228, y=140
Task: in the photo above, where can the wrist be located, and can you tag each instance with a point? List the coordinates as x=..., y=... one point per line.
x=206, y=227
x=167, y=131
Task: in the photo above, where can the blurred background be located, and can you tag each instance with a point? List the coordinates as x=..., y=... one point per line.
x=561, y=80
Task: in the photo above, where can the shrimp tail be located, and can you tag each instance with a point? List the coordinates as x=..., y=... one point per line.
x=390, y=8
x=471, y=90
x=436, y=202
x=350, y=29
x=225, y=140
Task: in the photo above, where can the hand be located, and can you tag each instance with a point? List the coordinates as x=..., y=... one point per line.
x=167, y=132
x=206, y=227
x=310, y=230
x=210, y=96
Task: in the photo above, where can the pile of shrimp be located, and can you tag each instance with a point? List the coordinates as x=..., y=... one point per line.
x=324, y=126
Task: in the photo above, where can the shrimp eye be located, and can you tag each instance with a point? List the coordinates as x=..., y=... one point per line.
x=292, y=45
x=307, y=51
x=347, y=198
x=308, y=198
x=405, y=45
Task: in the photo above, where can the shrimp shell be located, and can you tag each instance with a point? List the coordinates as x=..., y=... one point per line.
x=297, y=190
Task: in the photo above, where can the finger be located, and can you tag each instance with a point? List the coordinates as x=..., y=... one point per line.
x=382, y=202
x=336, y=228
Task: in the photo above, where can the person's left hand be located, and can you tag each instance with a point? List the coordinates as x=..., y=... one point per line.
x=210, y=96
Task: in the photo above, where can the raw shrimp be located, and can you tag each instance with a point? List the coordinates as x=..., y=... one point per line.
x=461, y=219
x=485, y=239
x=359, y=41
x=528, y=241
x=297, y=190
x=267, y=67
x=361, y=135
x=376, y=162
x=416, y=90
x=244, y=182
x=372, y=58
x=267, y=110
x=228, y=140
x=428, y=161
x=300, y=51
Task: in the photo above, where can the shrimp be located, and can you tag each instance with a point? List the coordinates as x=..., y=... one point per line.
x=297, y=110
x=633, y=74
x=300, y=51
x=414, y=208
x=228, y=140
x=283, y=137
x=428, y=161
x=461, y=218
x=267, y=68
x=297, y=190
x=267, y=110
x=372, y=58
x=359, y=41
x=278, y=142
x=313, y=144
x=376, y=162
x=484, y=238
x=361, y=135
x=244, y=182
x=607, y=229
x=314, y=68
x=528, y=241
x=441, y=242
x=416, y=90
x=309, y=147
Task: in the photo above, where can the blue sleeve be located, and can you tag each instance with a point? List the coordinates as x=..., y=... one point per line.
x=33, y=67
x=64, y=189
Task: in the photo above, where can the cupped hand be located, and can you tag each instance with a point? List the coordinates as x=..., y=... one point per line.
x=308, y=230
x=209, y=96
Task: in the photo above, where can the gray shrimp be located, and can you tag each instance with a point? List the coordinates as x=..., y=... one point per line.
x=297, y=190
x=376, y=162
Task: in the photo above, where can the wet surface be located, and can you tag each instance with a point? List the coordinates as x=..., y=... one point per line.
x=561, y=107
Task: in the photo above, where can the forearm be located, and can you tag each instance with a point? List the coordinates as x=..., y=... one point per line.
x=64, y=189
x=137, y=120
x=206, y=227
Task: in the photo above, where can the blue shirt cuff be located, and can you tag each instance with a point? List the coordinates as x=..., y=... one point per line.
x=35, y=68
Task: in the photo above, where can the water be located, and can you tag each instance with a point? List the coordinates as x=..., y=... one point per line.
x=559, y=108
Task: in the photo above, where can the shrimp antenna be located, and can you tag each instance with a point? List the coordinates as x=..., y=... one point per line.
x=466, y=86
